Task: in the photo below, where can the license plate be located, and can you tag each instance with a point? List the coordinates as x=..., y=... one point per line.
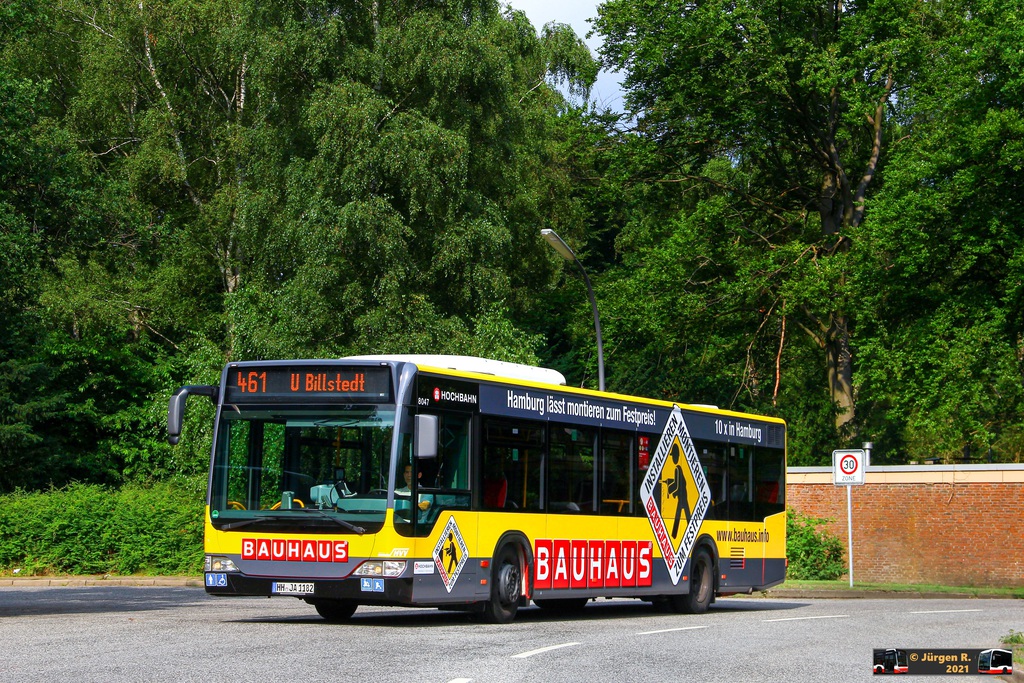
x=292, y=588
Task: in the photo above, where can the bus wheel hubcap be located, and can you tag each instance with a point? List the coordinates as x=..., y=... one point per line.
x=508, y=584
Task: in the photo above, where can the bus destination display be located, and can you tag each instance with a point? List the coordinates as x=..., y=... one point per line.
x=307, y=382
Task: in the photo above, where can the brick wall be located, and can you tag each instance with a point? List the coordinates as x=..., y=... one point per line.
x=957, y=525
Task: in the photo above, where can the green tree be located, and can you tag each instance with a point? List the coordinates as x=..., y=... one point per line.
x=418, y=203
x=762, y=133
x=232, y=179
x=940, y=286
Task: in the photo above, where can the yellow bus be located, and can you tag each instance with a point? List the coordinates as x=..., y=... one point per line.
x=466, y=483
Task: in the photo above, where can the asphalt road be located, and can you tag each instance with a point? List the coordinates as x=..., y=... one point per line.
x=131, y=633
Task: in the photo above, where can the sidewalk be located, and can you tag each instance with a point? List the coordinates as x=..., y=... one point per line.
x=100, y=580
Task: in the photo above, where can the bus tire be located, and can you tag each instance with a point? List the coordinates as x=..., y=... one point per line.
x=506, y=583
x=702, y=587
x=562, y=604
x=335, y=611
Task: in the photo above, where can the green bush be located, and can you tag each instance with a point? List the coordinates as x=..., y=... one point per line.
x=813, y=554
x=91, y=529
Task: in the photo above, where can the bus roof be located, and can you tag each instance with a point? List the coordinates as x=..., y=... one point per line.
x=529, y=373
x=483, y=366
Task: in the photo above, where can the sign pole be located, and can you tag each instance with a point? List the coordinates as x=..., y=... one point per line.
x=848, y=470
x=849, y=528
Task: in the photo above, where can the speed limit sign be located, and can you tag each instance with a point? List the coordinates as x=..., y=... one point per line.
x=848, y=467
x=848, y=470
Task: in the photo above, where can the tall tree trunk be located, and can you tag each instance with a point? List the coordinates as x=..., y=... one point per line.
x=839, y=361
x=834, y=210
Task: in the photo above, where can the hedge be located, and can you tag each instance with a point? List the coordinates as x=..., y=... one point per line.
x=90, y=529
x=814, y=554
x=158, y=530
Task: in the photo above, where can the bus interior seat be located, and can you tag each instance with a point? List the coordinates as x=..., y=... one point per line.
x=495, y=492
x=767, y=492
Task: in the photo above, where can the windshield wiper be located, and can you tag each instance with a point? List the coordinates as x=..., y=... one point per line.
x=245, y=522
x=340, y=522
x=278, y=518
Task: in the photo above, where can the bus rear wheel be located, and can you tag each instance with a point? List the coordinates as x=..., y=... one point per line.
x=702, y=587
x=335, y=611
x=506, y=582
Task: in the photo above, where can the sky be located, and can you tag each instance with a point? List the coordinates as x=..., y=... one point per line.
x=606, y=91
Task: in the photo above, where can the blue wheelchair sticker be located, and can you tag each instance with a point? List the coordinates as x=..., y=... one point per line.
x=368, y=585
x=217, y=580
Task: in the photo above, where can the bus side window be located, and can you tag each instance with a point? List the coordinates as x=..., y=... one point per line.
x=740, y=491
x=712, y=459
x=513, y=450
x=453, y=454
x=445, y=479
x=769, y=492
x=616, y=472
x=570, y=483
x=647, y=445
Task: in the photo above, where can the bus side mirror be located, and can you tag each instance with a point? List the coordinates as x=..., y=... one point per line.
x=176, y=409
x=425, y=437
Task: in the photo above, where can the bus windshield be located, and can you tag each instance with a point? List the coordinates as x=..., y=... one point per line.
x=323, y=469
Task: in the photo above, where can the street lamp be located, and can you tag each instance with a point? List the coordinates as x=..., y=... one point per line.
x=565, y=252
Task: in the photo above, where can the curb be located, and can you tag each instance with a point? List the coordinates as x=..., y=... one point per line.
x=68, y=581
x=876, y=594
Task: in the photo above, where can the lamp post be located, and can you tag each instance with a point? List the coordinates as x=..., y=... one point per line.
x=565, y=252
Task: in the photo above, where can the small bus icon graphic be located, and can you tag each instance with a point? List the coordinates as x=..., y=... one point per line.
x=890, y=661
x=995, y=662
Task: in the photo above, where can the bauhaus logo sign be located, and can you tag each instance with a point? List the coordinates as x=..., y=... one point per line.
x=564, y=563
x=675, y=494
x=294, y=550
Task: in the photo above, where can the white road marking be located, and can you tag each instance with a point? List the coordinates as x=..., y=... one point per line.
x=541, y=650
x=461, y=680
x=669, y=630
x=946, y=611
x=829, y=616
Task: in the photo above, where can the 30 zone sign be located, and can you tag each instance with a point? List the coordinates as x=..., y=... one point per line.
x=848, y=467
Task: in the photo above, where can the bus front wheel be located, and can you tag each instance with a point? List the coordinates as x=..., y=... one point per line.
x=506, y=583
x=335, y=611
x=702, y=586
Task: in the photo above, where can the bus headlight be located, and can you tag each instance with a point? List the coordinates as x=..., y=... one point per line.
x=390, y=568
x=216, y=563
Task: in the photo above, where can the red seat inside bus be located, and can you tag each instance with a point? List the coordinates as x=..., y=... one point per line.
x=495, y=491
x=768, y=492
